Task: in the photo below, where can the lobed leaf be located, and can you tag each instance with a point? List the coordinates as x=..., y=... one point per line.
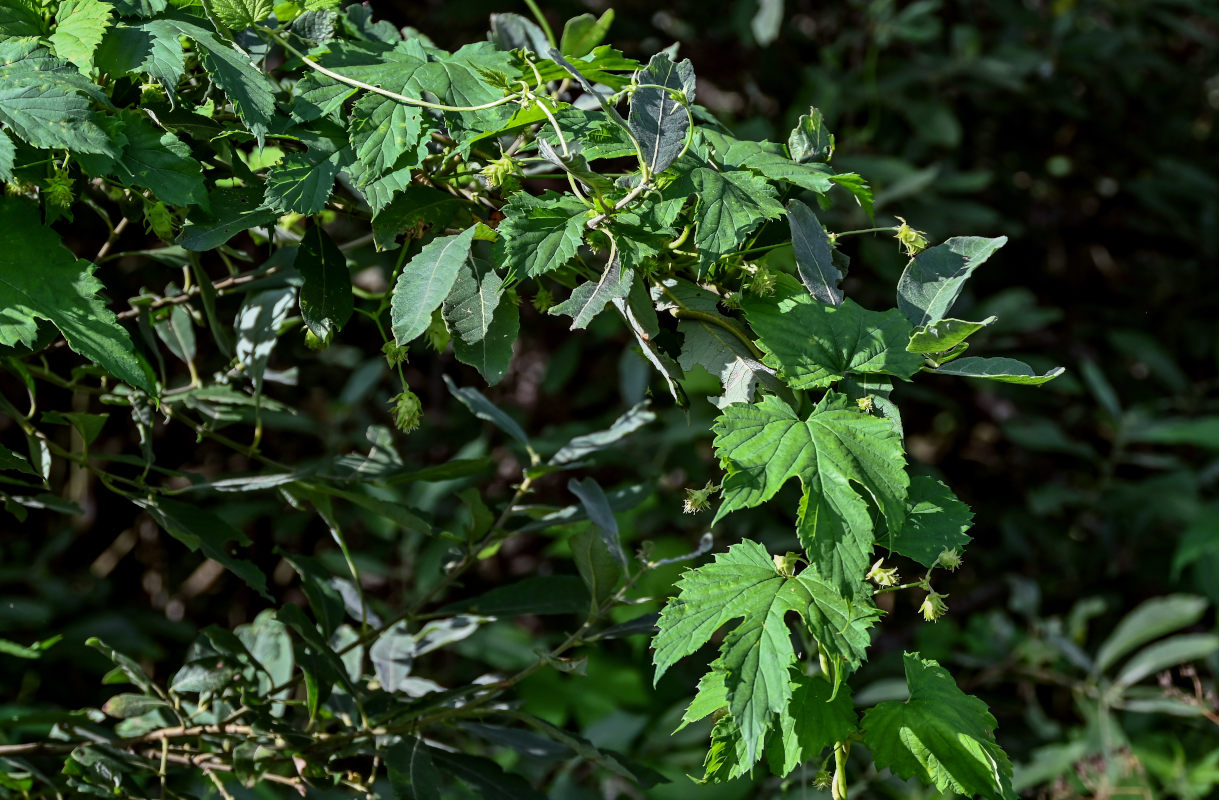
x=940, y=735
x=814, y=345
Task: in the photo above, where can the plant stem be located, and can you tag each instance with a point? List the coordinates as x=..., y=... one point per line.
x=541, y=18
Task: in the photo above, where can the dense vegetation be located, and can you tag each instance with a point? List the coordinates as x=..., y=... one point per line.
x=355, y=383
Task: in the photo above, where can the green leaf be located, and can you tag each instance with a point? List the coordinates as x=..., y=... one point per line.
x=483, y=320
x=768, y=160
x=416, y=207
x=245, y=85
x=731, y=205
x=149, y=48
x=639, y=314
x=814, y=256
x=126, y=664
x=8, y=156
x=1151, y=620
x=581, y=34
x=319, y=95
x=589, y=299
x=326, y=301
x=257, y=326
x=541, y=594
x=933, y=279
x=941, y=736
x=126, y=706
x=1171, y=652
x=457, y=80
x=944, y=335
x=382, y=131
x=814, y=345
x=485, y=777
x=267, y=640
x=203, y=531
x=425, y=282
x=935, y=520
x=484, y=409
x=412, y=775
x=45, y=101
x=660, y=122
x=159, y=161
x=810, y=140
x=597, y=506
x=539, y=234
x=599, y=568
x=756, y=654
x=79, y=28
x=837, y=453
x=1004, y=370
x=580, y=447
x=815, y=719
x=514, y=32
x=229, y=212
x=302, y=182
x=714, y=342
x=575, y=163
x=42, y=279
x=20, y=18
x=239, y=14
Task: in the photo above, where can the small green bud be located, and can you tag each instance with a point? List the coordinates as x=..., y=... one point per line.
x=58, y=189
x=437, y=334
x=543, y=301
x=883, y=576
x=763, y=282
x=698, y=499
x=315, y=342
x=503, y=172
x=949, y=559
x=933, y=606
x=159, y=220
x=785, y=564
x=394, y=353
x=823, y=780
x=866, y=404
x=912, y=241
x=408, y=411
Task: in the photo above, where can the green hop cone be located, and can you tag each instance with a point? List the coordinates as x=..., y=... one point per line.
x=408, y=411
x=933, y=606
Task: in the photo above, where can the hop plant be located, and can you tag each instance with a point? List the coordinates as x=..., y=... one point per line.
x=911, y=240
x=503, y=173
x=883, y=576
x=407, y=410
x=395, y=354
x=950, y=559
x=698, y=499
x=933, y=606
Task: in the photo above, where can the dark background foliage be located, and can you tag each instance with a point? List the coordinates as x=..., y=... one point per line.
x=1083, y=131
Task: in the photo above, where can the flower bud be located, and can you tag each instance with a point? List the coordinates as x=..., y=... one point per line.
x=933, y=606
x=882, y=576
x=949, y=559
x=698, y=499
x=407, y=410
x=785, y=564
x=912, y=241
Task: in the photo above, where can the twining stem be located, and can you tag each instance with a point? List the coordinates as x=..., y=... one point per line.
x=884, y=229
x=368, y=87
x=541, y=18
x=715, y=319
x=621, y=204
x=839, y=788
